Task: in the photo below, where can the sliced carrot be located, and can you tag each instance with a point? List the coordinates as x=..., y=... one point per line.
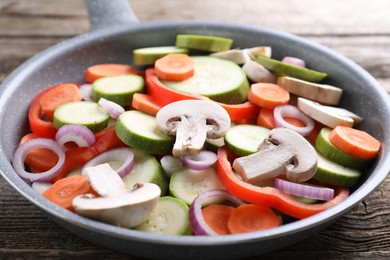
x=268, y=95
x=65, y=190
x=39, y=160
x=354, y=142
x=217, y=216
x=58, y=95
x=145, y=103
x=252, y=217
x=103, y=70
x=174, y=67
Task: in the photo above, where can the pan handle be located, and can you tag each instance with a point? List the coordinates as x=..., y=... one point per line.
x=109, y=13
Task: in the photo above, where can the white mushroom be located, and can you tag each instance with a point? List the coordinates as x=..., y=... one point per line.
x=327, y=115
x=192, y=121
x=117, y=205
x=237, y=56
x=283, y=152
x=322, y=93
x=259, y=51
x=257, y=72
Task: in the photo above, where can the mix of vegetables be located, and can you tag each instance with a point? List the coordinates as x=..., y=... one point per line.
x=227, y=142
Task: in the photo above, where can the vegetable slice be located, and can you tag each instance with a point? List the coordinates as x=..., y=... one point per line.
x=217, y=216
x=304, y=190
x=269, y=196
x=81, y=135
x=141, y=131
x=203, y=42
x=201, y=161
x=355, y=142
x=174, y=67
x=252, y=217
x=198, y=223
x=170, y=217
x=63, y=192
x=218, y=79
x=104, y=70
x=290, y=111
x=268, y=95
x=148, y=55
x=119, y=89
x=291, y=70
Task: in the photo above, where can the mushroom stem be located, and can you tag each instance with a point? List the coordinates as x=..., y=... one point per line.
x=191, y=134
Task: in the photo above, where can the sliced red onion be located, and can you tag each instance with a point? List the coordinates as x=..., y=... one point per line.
x=23, y=150
x=40, y=186
x=292, y=111
x=294, y=61
x=201, y=161
x=304, y=190
x=79, y=134
x=112, y=108
x=170, y=164
x=198, y=224
x=124, y=154
x=86, y=91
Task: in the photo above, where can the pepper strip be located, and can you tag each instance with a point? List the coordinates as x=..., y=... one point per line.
x=77, y=157
x=269, y=196
x=165, y=95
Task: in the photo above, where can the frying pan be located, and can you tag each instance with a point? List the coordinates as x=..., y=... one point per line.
x=115, y=32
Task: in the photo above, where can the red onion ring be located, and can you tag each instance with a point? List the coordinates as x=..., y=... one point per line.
x=292, y=111
x=81, y=135
x=86, y=91
x=198, y=224
x=32, y=144
x=304, y=190
x=201, y=161
x=294, y=61
x=124, y=154
x=112, y=108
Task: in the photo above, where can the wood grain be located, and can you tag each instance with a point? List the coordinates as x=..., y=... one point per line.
x=358, y=29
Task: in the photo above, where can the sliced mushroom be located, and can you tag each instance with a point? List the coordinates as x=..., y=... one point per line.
x=117, y=205
x=283, y=152
x=257, y=72
x=259, y=51
x=322, y=93
x=237, y=56
x=192, y=121
x=328, y=115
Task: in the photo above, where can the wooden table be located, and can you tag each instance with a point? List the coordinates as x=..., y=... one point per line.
x=358, y=29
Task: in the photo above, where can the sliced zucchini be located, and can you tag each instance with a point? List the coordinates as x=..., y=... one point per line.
x=285, y=69
x=146, y=169
x=218, y=79
x=186, y=184
x=86, y=113
x=119, y=89
x=331, y=152
x=147, y=56
x=203, y=42
x=335, y=174
x=140, y=131
x=169, y=217
x=245, y=139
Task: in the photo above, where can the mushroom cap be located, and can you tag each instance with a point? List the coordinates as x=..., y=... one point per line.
x=216, y=118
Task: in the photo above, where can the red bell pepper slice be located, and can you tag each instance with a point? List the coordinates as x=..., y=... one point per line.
x=269, y=196
x=164, y=95
x=77, y=157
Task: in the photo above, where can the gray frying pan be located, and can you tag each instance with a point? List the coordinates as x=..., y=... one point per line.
x=115, y=32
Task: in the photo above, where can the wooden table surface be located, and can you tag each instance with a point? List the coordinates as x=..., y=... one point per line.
x=358, y=29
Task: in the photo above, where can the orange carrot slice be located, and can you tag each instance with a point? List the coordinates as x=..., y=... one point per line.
x=252, y=217
x=174, y=67
x=63, y=191
x=354, y=142
x=268, y=95
x=217, y=216
x=145, y=103
x=58, y=95
x=103, y=70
